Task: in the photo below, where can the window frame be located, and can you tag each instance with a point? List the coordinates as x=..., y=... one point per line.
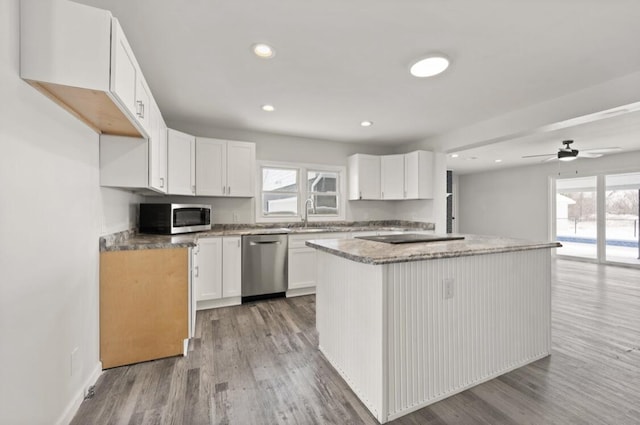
x=303, y=192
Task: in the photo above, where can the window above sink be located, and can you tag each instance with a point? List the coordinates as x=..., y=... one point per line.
x=286, y=189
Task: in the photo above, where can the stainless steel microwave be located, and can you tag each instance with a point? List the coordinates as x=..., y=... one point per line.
x=169, y=219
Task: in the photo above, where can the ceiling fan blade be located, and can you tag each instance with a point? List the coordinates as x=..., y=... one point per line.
x=602, y=151
x=537, y=156
x=585, y=154
x=553, y=158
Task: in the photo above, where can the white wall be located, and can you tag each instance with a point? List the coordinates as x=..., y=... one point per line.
x=515, y=202
x=52, y=212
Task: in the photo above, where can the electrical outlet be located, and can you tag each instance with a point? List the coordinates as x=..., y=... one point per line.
x=448, y=287
x=235, y=216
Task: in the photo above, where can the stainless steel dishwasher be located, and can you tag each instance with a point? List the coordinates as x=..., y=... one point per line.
x=264, y=266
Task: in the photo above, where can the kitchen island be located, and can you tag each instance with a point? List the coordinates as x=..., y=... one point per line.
x=407, y=325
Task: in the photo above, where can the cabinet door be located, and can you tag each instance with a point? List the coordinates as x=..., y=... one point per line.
x=302, y=268
x=211, y=167
x=241, y=164
x=231, y=267
x=181, y=163
x=157, y=150
x=207, y=274
x=419, y=175
x=412, y=175
x=124, y=69
x=364, y=177
x=392, y=176
x=143, y=100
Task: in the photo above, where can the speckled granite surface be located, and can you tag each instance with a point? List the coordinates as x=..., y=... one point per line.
x=370, y=252
x=129, y=240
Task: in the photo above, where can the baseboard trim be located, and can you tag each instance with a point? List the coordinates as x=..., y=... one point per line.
x=301, y=291
x=222, y=302
x=73, y=406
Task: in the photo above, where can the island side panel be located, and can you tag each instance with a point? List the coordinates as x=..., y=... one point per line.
x=498, y=319
x=349, y=318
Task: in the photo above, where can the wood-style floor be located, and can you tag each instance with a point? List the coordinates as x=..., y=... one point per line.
x=259, y=364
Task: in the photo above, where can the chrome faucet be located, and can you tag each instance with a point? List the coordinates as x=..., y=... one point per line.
x=307, y=204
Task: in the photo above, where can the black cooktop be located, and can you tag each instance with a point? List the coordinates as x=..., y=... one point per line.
x=410, y=238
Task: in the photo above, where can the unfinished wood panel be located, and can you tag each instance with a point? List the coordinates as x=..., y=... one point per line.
x=94, y=108
x=143, y=305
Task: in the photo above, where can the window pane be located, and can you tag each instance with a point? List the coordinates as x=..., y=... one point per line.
x=322, y=181
x=576, y=217
x=324, y=205
x=622, y=202
x=279, y=203
x=280, y=179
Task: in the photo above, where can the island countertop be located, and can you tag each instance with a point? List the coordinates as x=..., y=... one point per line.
x=370, y=252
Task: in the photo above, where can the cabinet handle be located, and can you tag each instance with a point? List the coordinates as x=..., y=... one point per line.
x=161, y=181
x=193, y=188
x=238, y=243
x=360, y=194
x=197, y=271
x=228, y=190
x=140, y=112
x=382, y=195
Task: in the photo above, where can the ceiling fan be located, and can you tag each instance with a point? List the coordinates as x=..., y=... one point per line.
x=566, y=153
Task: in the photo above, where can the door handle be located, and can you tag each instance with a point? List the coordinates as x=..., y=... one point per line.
x=265, y=243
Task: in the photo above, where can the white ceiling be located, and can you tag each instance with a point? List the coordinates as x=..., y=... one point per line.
x=339, y=62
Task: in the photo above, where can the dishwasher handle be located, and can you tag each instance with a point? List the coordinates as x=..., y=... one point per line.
x=265, y=243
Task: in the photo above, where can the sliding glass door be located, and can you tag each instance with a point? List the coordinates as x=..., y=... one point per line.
x=598, y=217
x=622, y=201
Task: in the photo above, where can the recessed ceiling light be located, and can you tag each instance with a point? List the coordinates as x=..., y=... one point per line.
x=268, y=108
x=262, y=50
x=497, y=160
x=366, y=123
x=429, y=66
x=454, y=155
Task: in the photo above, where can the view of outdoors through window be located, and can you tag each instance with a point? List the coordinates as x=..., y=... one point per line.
x=323, y=190
x=576, y=217
x=577, y=222
x=281, y=192
x=622, y=198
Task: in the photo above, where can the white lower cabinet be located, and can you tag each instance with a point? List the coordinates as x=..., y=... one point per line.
x=302, y=262
x=217, y=272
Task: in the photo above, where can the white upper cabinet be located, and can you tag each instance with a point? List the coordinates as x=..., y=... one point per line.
x=157, y=150
x=78, y=56
x=225, y=168
x=181, y=163
x=392, y=177
x=124, y=69
x=211, y=167
x=364, y=177
x=134, y=162
x=418, y=175
x=241, y=166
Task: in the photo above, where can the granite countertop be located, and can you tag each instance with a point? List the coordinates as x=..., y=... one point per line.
x=130, y=240
x=370, y=252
